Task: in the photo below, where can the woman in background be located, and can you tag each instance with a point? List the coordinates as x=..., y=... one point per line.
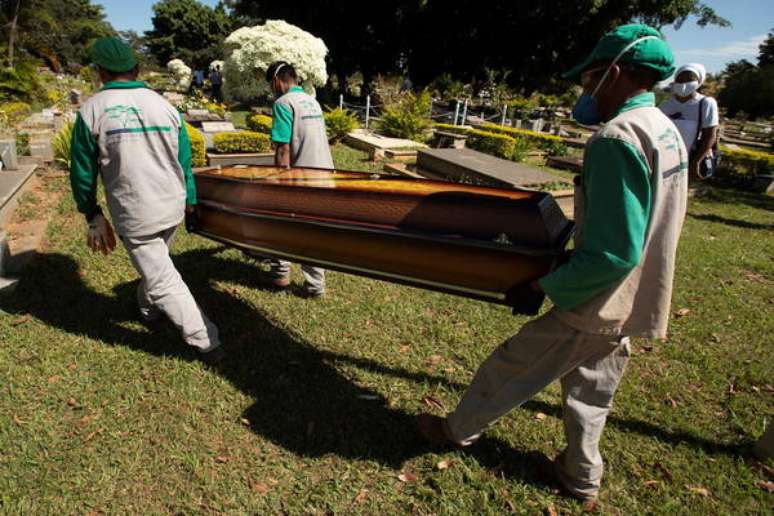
x=696, y=117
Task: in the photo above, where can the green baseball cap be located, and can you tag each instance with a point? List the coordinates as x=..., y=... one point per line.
x=112, y=54
x=653, y=53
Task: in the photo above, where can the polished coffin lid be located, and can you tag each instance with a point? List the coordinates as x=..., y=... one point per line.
x=474, y=241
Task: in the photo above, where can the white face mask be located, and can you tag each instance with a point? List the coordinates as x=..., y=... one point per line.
x=685, y=89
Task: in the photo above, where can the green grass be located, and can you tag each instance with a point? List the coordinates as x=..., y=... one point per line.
x=312, y=411
x=347, y=158
x=239, y=119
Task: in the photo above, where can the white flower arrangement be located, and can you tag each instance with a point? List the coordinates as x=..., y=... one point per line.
x=254, y=49
x=216, y=64
x=181, y=73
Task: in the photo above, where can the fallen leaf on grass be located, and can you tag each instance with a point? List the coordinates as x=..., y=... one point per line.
x=72, y=403
x=551, y=510
x=361, y=497
x=671, y=401
x=590, y=506
x=407, y=477
x=244, y=421
x=766, y=486
x=698, y=490
x=434, y=359
x=222, y=459
x=261, y=488
x=433, y=403
x=54, y=379
x=93, y=434
x=18, y=420
x=403, y=349
x=85, y=420
x=651, y=483
x=754, y=277
x=540, y=416
x=682, y=312
x=444, y=464
x=22, y=320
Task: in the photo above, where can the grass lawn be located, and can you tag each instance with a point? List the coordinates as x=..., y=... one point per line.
x=312, y=411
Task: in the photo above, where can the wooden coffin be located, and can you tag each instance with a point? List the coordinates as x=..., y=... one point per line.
x=473, y=241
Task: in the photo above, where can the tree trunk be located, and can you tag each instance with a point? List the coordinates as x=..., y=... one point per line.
x=12, y=33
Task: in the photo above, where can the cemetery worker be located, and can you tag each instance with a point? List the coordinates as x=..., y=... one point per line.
x=216, y=81
x=696, y=117
x=300, y=140
x=137, y=143
x=629, y=211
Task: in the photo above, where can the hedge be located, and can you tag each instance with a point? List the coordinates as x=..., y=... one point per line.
x=449, y=128
x=259, y=123
x=198, y=146
x=499, y=145
x=241, y=141
x=541, y=139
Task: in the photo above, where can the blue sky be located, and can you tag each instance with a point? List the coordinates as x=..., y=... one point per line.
x=751, y=20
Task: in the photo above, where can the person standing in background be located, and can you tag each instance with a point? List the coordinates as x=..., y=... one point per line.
x=216, y=81
x=695, y=116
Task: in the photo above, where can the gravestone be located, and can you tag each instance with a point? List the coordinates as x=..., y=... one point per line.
x=75, y=96
x=469, y=166
x=536, y=125
x=8, y=154
x=218, y=127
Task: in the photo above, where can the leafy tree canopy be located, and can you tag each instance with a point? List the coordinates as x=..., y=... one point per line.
x=188, y=30
x=748, y=88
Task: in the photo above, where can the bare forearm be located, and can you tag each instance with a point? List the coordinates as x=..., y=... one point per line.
x=708, y=138
x=282, y=155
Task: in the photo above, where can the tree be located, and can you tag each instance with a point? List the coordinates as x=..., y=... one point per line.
x=57, y=31
x=534, y=39
x=766, y=55
x=188, y=30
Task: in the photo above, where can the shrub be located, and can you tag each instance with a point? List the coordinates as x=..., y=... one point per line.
x=541, y=140
x=449, y=128
x=15, y=112
x=242, y=141
x=61, y=144
x=22, y=144
x=259, y=123
x=340, y=122
x=198, y=146
x=498, y=145
x=408, y=117
x=740, y=166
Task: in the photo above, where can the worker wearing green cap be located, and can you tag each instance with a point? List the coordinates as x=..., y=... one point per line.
x=629, y=209
x=136, y=141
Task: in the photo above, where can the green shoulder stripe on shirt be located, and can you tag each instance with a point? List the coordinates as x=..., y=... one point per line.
x=617, y=191
x=185, y=158
x=84, y=167
x=282, y=123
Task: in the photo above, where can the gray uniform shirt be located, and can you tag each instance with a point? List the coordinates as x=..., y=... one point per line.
x=298, y=121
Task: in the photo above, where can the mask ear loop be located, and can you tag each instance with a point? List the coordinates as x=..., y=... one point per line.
x=619, y=56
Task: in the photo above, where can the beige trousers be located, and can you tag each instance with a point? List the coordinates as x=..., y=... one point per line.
x=589, y=367
x=162, y=289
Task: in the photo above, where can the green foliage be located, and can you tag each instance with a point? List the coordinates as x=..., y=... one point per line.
x=446, y=87
x=22, y=144
x=242, y=141
x=408, y=117
x=539, y=140
x=340, y=122
x=449, y=128
x=62, y=143
x=198, y=146
x=499, y=145
x=15, y=112
x=766, y=51
x=19, y=82
x=56, y=31
x=748, y=89
x=745, y=163
x=259, y=123
x=188, y=30
x=198, y=100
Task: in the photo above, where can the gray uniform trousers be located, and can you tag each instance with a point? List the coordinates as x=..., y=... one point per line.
x=162, y=289
x=546, y=349
x=314, y=277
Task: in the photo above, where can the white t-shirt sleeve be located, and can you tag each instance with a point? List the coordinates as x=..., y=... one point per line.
x=710, y=115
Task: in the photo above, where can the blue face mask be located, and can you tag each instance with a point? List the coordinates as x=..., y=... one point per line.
x=586, y=111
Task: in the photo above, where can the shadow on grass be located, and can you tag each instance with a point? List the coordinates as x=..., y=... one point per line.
x=731, y=222
x=734, y=196
x=302, y=402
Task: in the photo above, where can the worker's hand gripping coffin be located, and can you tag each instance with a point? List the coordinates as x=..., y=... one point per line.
x=473, y=241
